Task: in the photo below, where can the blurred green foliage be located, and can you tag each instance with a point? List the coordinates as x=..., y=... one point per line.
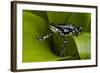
x=36, y=23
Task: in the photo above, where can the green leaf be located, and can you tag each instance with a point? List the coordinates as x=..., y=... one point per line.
x=34, y=50
x=84, y=45
x=42, y=14
x=58, y=17
x=81, y=19
x=71, y=49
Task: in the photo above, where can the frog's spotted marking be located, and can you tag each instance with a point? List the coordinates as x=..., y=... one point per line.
x=63, y=30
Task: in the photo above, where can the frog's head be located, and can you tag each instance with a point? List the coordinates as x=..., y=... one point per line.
x=79, y=30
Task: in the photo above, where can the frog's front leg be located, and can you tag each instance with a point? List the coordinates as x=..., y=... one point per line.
x=64, y=46
x=44, y=37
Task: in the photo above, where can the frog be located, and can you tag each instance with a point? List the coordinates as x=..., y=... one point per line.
x=63, y=30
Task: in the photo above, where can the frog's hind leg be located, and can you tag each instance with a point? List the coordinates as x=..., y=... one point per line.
x=64, y=46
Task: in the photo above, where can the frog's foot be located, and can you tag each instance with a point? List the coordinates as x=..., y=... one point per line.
x=62, y=53
x=39, y=38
